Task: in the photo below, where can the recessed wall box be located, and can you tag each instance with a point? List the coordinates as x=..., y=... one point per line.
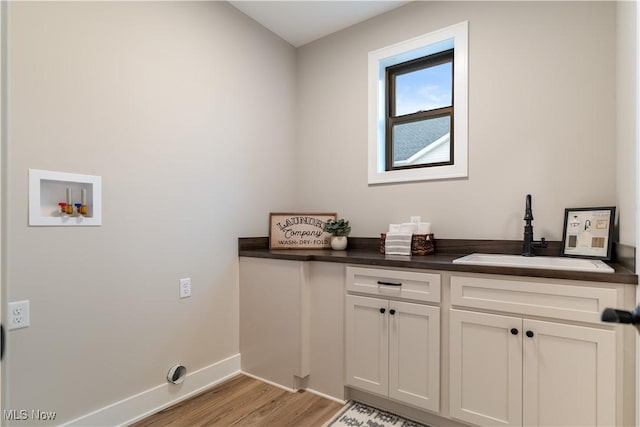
x=64, y=199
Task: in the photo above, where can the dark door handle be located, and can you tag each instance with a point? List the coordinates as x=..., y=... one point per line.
x=514, y=331
x=380, y=282
x=530, y=334
x=392, y=312
x=382, y=310
x=1, y=342
x=621, y=316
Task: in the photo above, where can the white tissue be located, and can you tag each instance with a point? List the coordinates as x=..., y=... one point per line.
x=408, y=228
x=424, y=228
x=411, y=228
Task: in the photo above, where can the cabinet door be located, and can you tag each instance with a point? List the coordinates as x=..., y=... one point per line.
x=486, y=368
x=414, y=354
x=569, y=375
x=367, y=342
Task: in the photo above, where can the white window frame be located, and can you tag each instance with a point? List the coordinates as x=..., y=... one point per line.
x=455, y=36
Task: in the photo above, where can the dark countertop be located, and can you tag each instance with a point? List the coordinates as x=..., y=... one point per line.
x=366, y=251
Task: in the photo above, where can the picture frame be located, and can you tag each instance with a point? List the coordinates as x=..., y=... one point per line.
x=588, y=232
x=292, y=230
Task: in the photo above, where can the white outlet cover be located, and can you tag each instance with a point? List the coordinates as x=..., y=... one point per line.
x=18, y=315
x=185, y=287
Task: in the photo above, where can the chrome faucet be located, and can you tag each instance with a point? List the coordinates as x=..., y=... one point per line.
x=529, y=244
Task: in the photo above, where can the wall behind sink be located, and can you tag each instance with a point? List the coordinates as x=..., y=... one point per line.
x=542, y=82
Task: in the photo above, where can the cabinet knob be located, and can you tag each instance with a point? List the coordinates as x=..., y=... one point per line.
x=392, y=312
x=530, y=334
x=514, y=331
x=382, y=310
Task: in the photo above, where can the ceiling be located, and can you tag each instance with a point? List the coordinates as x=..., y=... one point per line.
x=303, y=21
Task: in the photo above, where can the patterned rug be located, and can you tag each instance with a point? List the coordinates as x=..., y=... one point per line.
x=356, y=414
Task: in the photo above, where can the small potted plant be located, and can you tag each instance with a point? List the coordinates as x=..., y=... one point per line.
x=339, y=230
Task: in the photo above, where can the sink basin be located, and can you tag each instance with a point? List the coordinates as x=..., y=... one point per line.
x=542, y=262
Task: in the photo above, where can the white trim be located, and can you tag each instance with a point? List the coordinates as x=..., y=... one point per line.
x=326, y=396
x=637, y=204
x=456, y=36
x=255, y=377
x=148, y=402
x=3, y=179
x=292, y=390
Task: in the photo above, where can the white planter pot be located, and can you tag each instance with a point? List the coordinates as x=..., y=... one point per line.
x=338, y=243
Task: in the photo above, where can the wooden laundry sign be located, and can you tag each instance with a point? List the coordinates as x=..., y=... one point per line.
x=299, y=230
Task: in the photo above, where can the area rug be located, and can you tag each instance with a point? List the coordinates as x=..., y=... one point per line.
x=356, y=414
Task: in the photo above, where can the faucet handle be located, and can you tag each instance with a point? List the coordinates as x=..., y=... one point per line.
x=528, y=213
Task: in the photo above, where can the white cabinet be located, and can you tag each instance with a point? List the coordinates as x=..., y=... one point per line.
x=367, y=343
x=568, y=375
x=486, y=368
x=393, y=347
x=511, y=370
x=414, y=354
x=396, y=284
x=319, y=325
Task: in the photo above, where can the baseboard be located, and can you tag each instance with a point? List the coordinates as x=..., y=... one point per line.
x=326, y=396
x=291, y=390
x=141, y=405
x=255, y=377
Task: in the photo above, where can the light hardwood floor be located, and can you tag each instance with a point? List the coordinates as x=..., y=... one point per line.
x=244, y=401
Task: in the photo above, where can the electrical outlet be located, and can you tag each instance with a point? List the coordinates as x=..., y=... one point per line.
x=185, y=287
x=19, y=316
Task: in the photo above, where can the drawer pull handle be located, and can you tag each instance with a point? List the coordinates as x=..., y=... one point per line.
x=514, y=331
x=382, y=310
x=392, y=312
x=530, y=334
x=380, y=282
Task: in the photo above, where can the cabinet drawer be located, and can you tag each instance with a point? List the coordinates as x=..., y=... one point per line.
x=394, y=283
x=562, y=301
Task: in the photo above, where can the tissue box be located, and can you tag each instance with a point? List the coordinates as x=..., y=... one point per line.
x=421, y=244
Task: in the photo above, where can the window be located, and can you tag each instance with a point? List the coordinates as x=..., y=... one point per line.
x=418, y=108
x=419, y=117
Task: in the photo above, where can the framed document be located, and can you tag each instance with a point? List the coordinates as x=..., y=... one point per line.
x=588, y=232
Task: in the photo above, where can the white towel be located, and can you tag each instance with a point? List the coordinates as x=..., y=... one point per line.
x=397, y=244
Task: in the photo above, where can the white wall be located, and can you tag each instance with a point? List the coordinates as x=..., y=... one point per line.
x=186, y=111
x=626, y=119
x=541, y=119
x=3, y=110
